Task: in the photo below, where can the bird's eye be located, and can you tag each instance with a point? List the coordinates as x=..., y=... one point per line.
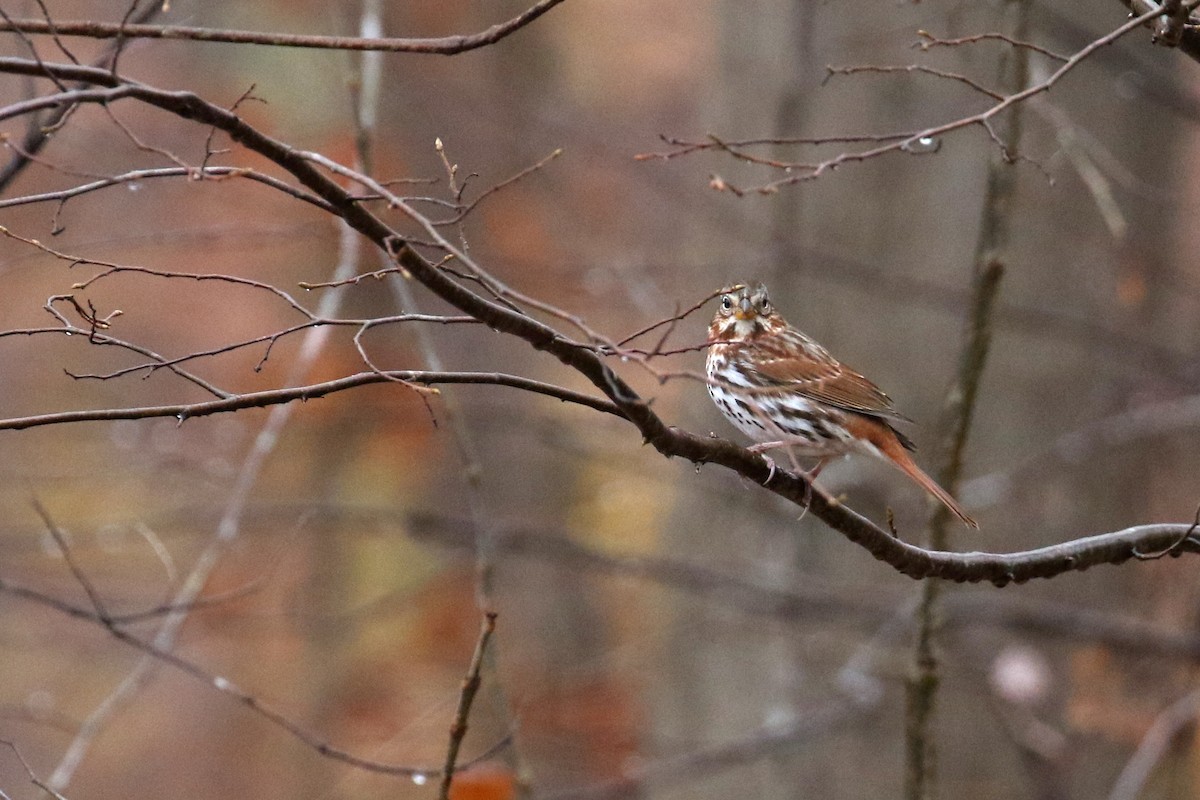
x=726, y=302
x=765, y=305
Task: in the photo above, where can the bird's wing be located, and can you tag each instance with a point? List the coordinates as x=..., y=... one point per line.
x=811, y=371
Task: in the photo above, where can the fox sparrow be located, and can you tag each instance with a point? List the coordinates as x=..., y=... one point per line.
x=782, y=389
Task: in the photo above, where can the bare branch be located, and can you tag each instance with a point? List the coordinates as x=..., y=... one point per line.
x=33, y=778
x=446, y=45
x=60, y=540
x=192, y=173
x=712, y=142
x=222, y=684
x=800, y=172
x=466, y=208
x=929, y=41
x=93, y=336
x=270, y=397
x=470, y=686
x=911, y=68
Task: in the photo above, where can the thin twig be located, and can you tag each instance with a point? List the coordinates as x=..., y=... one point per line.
x=911, y=68
x=712, y=142
x=470, y=686
x=467, y=208
x=672, y=319
x=92, y=336
x=134, y=176
x=33, y=778
x=68, y=556
x=929, y=41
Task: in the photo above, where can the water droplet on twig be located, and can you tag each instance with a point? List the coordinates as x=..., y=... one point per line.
x=922, y=145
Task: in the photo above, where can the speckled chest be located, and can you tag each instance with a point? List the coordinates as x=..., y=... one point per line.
x=770, y=412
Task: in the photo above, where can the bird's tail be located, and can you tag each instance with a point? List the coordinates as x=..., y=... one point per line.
x=903, y=461
x=928, y=483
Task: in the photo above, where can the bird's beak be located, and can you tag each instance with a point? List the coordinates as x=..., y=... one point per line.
x=744, y=310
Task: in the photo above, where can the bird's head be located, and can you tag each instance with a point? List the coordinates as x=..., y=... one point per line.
x=744, y=312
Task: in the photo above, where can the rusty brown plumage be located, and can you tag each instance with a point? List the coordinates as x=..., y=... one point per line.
x=782, y=389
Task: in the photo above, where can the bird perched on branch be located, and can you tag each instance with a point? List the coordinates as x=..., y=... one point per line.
x=782, y=389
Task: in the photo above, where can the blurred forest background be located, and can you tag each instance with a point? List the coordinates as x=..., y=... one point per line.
x=663, y=631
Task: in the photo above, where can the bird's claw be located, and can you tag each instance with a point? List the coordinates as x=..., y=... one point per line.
x=770, y=463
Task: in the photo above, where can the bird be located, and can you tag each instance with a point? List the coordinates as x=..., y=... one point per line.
x=783, y=389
